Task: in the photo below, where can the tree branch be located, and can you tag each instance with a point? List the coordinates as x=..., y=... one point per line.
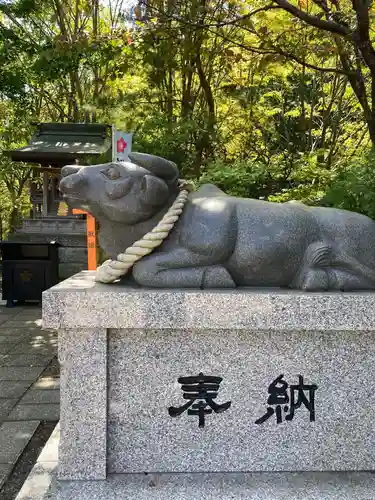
x=308, y=65
x=315, y=21
x=213, y=25
x=278, y=51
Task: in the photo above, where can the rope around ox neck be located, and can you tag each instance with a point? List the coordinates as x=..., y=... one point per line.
x=111, y=270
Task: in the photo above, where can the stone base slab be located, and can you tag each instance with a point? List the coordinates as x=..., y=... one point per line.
x=42, y=484
x=273, y=351
x=144, y=369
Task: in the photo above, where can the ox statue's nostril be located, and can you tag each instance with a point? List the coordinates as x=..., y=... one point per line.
x=70, y=169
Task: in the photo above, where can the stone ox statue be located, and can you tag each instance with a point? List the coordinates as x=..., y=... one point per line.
x=220, y=241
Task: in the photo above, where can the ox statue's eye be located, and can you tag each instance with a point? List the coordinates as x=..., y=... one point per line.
x=112, y=173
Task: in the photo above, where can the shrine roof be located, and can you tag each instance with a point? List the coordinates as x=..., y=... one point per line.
x=61, y=143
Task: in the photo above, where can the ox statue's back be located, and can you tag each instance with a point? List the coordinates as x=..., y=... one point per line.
x=221, y=241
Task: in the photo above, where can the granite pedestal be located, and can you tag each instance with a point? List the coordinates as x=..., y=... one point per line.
x=293, y=394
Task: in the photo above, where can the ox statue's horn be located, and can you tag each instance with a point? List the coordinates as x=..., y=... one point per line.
x=165, y=169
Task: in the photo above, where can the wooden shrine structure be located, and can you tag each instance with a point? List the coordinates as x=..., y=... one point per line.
x=52, y=146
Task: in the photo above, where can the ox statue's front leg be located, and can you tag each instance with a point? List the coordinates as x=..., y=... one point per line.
x=181, y=268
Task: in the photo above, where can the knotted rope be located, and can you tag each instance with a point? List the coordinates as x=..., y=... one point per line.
x=111, y=270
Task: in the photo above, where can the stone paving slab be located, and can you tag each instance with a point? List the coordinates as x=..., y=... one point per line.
x=41, y=396
x=34, y=337
x=50, y=452
x=38, y=411
x=14, y=436
x=27, y=348
x=34, y=313
x=38, y=484
x=46, y=383
x=26, y=323
x=6, y=406
x=38, y=481
x=5, y=470
x=26, y=359
x=53, y=369
x=11, y=338
x=27, y=396
x=6, y=348
x=4, y=319
x=14, y=388
x=40, y=338
x=20, y=372
x=30, y=330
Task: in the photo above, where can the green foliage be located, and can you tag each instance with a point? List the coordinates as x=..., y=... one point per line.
x=239, y=178
x=155, y=135
x=238, y=104
x=354, y=186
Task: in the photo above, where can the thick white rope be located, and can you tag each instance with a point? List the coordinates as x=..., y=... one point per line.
x=111, y=270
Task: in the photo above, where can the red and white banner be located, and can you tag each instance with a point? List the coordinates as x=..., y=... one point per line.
x=121, y=145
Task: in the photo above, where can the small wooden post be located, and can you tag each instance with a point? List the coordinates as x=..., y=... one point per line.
x=91, y=239
x=45, y=193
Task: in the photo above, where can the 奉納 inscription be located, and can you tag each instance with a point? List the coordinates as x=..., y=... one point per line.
x=200, y=391
x=283, y=397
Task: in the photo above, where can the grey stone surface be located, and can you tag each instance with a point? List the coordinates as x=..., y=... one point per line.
x=11, y=338
x=26, y=323
x=37, y=411
x=53, y=225
x=5, y=470
x=73, y=254
x=50, y=452
x=14, y=437
x=40, y=339
x=42, y=485
x=83, y=447
x=36, y=346
x=26, y=359
x=41, y=350
x=42, y=396
x=20, y=332
x=53, y=369
x=81, y=303
x=227, y=487
x=220, y=241
x=6, y=348
x=3, y=319
x=41, y=482
x=6, y=406
x=30, y=312
x=13, y=389
x=17, y=373
x=144, y=368
x=68, y=269
x=46, y=383
x=70, y=240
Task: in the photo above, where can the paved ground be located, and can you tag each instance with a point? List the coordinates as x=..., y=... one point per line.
x=29, y=391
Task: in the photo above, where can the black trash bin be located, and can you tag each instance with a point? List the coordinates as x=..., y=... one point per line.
x=28, y=270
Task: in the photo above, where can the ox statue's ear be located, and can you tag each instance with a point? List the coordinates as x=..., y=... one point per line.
x=154, y=191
